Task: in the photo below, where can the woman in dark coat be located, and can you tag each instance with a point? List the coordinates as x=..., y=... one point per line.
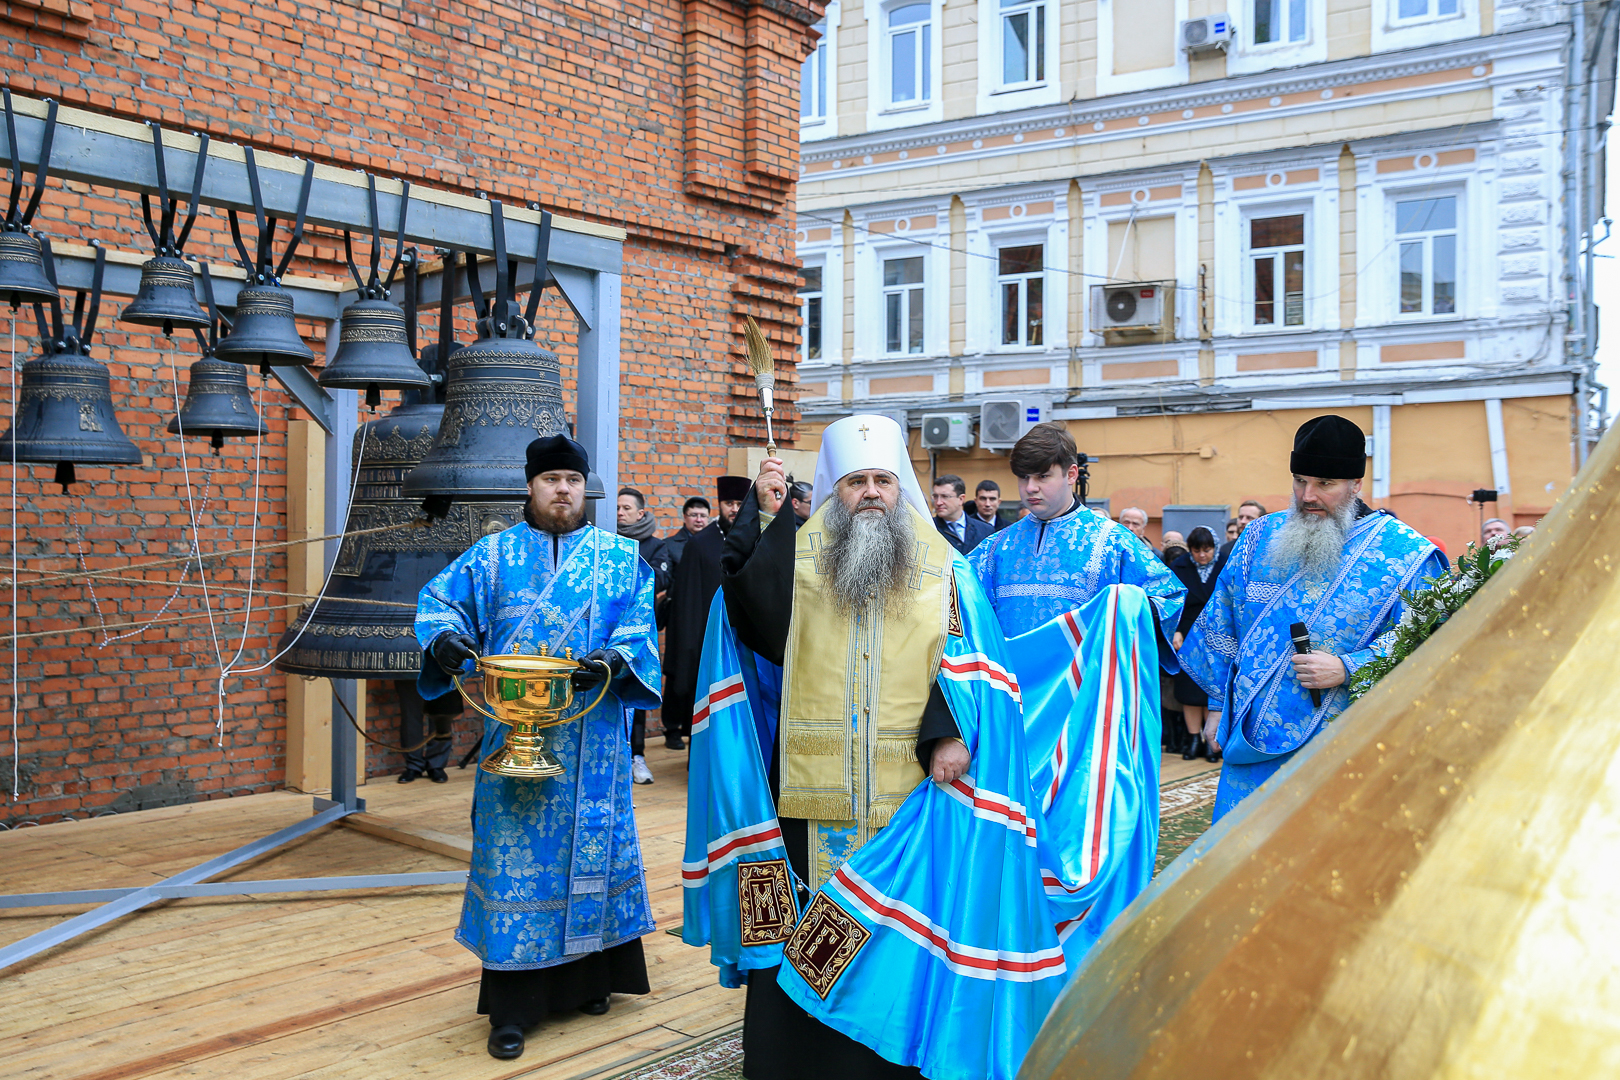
x=1197, y=568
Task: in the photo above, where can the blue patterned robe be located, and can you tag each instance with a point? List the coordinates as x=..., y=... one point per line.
x=1240, y=650
x=1033, y=571
x=556, y=864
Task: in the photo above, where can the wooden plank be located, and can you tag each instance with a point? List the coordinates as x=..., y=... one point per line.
x=419, y=836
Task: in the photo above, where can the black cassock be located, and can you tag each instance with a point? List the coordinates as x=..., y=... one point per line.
x=692, y=587
x=780, y=1040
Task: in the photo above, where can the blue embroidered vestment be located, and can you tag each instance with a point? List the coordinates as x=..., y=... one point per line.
x=556, y=864
x=1240, y=650
x=1033, y=570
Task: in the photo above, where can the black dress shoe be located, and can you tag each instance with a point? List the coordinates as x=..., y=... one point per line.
x=408, y=775
x=506, y=1042
x=595, y=1008
x=674, y=742
x=438, y=776
x=1194, y=745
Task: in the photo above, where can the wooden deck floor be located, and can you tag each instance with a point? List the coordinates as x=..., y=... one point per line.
x=331, y=985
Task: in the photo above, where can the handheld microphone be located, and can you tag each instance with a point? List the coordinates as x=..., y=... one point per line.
x=1302, y=645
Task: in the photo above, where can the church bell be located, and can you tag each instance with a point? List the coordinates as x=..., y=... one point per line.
x=168, y=291
x=364, y=626
x=22, y=267
x=263, y=332
x=64, y=413
x=218, y=404
x=375, y=351
x=502, y=392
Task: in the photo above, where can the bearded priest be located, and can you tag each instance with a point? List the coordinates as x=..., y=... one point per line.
x=556, y=900
x=1328, y=562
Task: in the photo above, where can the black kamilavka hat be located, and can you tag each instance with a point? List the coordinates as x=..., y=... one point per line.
x=1330, y=447
x=556, y=452
x=732, y=488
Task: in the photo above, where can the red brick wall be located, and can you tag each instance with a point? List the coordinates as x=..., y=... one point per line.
x=677, y=121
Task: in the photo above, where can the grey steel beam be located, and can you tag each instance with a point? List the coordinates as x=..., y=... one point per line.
x=69, y=929
x=598, y=382
x=237, y=888
x=126, y=162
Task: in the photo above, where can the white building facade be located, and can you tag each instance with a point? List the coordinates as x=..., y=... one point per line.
x=1346, y=205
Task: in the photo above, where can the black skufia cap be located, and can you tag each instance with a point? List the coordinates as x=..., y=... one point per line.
x=1330, y=447
x=556, y=452
x=732, y=488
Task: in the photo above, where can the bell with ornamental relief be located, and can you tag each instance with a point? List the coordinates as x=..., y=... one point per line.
x=23, y=279
x=375, y=347
x=167, y=297
x=263, y=332
x=218, y=403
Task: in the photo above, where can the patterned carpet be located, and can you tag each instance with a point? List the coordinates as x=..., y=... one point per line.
x=1185, y=809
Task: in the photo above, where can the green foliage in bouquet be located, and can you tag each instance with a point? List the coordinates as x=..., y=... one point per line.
x=1427, y=608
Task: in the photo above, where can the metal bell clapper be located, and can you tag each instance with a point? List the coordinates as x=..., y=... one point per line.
x=263, y=331
x=218, y=404
x=64, y=414
x=168, y=290
x=23, y=279
x=375, y=352
x=502, y=391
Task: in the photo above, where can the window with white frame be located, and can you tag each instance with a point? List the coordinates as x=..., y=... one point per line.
x=908, y=33
x=1426, y=239
x=1023, y=42
x=810, y=298
x=813, y=80
x=1281, y=21
x=1276, y=270
x=903, y=305
x=1418, y=10
x=1021, y=281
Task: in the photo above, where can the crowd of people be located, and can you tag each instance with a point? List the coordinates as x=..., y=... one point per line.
x=887, y=684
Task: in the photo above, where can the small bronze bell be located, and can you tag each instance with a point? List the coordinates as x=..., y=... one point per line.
x=263, y=331
x=22, y=269
x=502, y=391
x=64, y=414
x=218, y=404
x=375, y=352
x=168, y=292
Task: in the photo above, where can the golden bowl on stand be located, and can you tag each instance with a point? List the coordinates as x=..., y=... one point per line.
x=528, y=694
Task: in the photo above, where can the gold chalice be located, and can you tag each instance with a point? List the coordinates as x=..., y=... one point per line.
x=529, y=694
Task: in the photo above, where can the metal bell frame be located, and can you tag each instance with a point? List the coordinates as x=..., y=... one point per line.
x=23, y=277
x=168, y=291
x=480, y=453
x=218, y=403
x=375, y=352
x=263, y=330
x=64, y=413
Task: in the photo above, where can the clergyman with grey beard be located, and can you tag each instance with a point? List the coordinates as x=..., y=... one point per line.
x=857, y=606
x=1330, y=562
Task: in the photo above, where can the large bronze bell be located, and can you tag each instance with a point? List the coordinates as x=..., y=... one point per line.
x=64, y=414
x=168, y=293
x=374, y=351
x=263, y=332
x=218, y=404
x=351, y=635
x=502, y=392
x=22, y=267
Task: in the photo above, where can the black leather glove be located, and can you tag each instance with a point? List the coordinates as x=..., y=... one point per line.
x=599, y=664
x=450, y=650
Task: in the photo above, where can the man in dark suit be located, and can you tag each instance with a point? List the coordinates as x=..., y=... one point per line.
x=964, y=531
x=987, y=503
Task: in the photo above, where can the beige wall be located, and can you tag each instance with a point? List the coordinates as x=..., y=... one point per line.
x=1144, y=40
x=1142, y=250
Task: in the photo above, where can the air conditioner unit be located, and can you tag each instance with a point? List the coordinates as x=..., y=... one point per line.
x=1134, y=306
x=946, y=431
x=1003, y=421
x=1212, y=33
